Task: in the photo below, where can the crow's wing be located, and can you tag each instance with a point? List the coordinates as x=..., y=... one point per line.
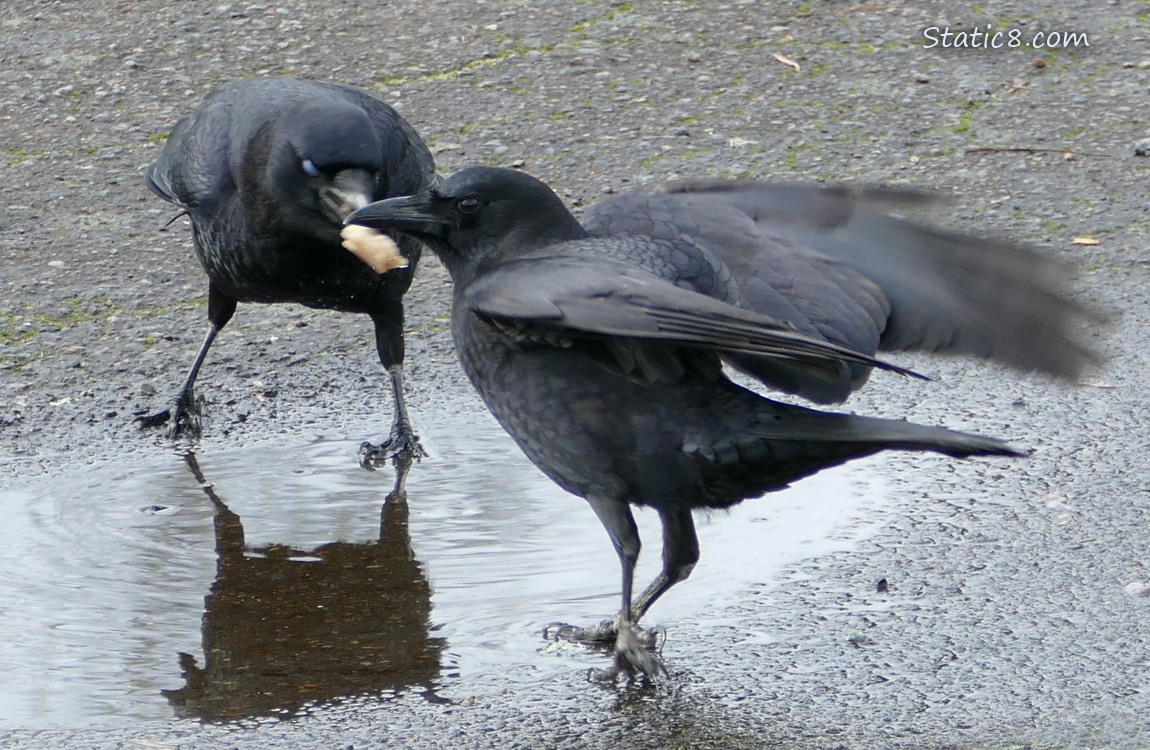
x=570, y=293
x=193, y=168
x=768, y=273
x=947, y=291
x=774, y=275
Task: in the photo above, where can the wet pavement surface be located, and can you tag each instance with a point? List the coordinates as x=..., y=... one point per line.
x=261, y=594
x=272, y=590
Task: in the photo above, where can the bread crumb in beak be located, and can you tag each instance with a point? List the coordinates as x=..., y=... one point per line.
x=374, y=248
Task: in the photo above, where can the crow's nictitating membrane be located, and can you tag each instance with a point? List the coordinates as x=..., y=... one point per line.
x=267, y=169
x=600, y=348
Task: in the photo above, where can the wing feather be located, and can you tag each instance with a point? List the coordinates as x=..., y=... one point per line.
x=601, y=297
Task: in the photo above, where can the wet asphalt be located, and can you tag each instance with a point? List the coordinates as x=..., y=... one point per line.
x=994, y=604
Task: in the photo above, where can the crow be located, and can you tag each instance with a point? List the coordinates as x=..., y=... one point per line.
x=267, y=169
x=600, y=348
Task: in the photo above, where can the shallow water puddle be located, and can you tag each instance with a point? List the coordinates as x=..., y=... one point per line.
x=133, y=592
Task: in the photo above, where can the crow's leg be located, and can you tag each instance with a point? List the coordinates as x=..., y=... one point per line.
x=185, y=412
x=633, y=647
x=402, y=444
x=680, y=553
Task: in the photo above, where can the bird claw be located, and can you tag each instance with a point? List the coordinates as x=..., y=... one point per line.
x=184, y=416
x=149, y=421
x=604, y=634
x=401, y=447
x=634, y=656
x=636, y=649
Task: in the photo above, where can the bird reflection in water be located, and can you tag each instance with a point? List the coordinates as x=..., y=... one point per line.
x=284, y=628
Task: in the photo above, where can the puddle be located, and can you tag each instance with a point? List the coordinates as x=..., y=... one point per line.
x=132, y=592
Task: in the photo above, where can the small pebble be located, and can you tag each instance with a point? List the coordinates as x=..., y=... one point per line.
x=1138, y=588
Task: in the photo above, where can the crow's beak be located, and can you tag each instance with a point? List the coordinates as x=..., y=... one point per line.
x=413, y=215
x=350, y=189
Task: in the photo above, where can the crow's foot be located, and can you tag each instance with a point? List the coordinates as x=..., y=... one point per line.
x=634, y=657
x=604, y=634
x=154, y=420
x=402, y=447
x=636, y=649
x=184, y=417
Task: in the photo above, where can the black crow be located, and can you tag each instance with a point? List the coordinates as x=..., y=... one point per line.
x=267, y=169
x=601, y=354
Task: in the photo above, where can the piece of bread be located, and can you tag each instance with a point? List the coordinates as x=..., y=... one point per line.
x=374, y=248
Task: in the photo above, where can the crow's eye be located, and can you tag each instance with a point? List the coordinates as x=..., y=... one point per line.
x=310, y=168
x=467, y=205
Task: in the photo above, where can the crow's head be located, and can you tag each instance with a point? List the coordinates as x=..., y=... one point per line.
x=478, y=215
x=326, y=160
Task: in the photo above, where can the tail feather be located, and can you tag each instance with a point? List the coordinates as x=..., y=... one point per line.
x=786, y=422
x=780, y=443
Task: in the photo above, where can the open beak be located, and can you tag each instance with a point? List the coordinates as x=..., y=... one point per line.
x=350, y=189
x=413, y=215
